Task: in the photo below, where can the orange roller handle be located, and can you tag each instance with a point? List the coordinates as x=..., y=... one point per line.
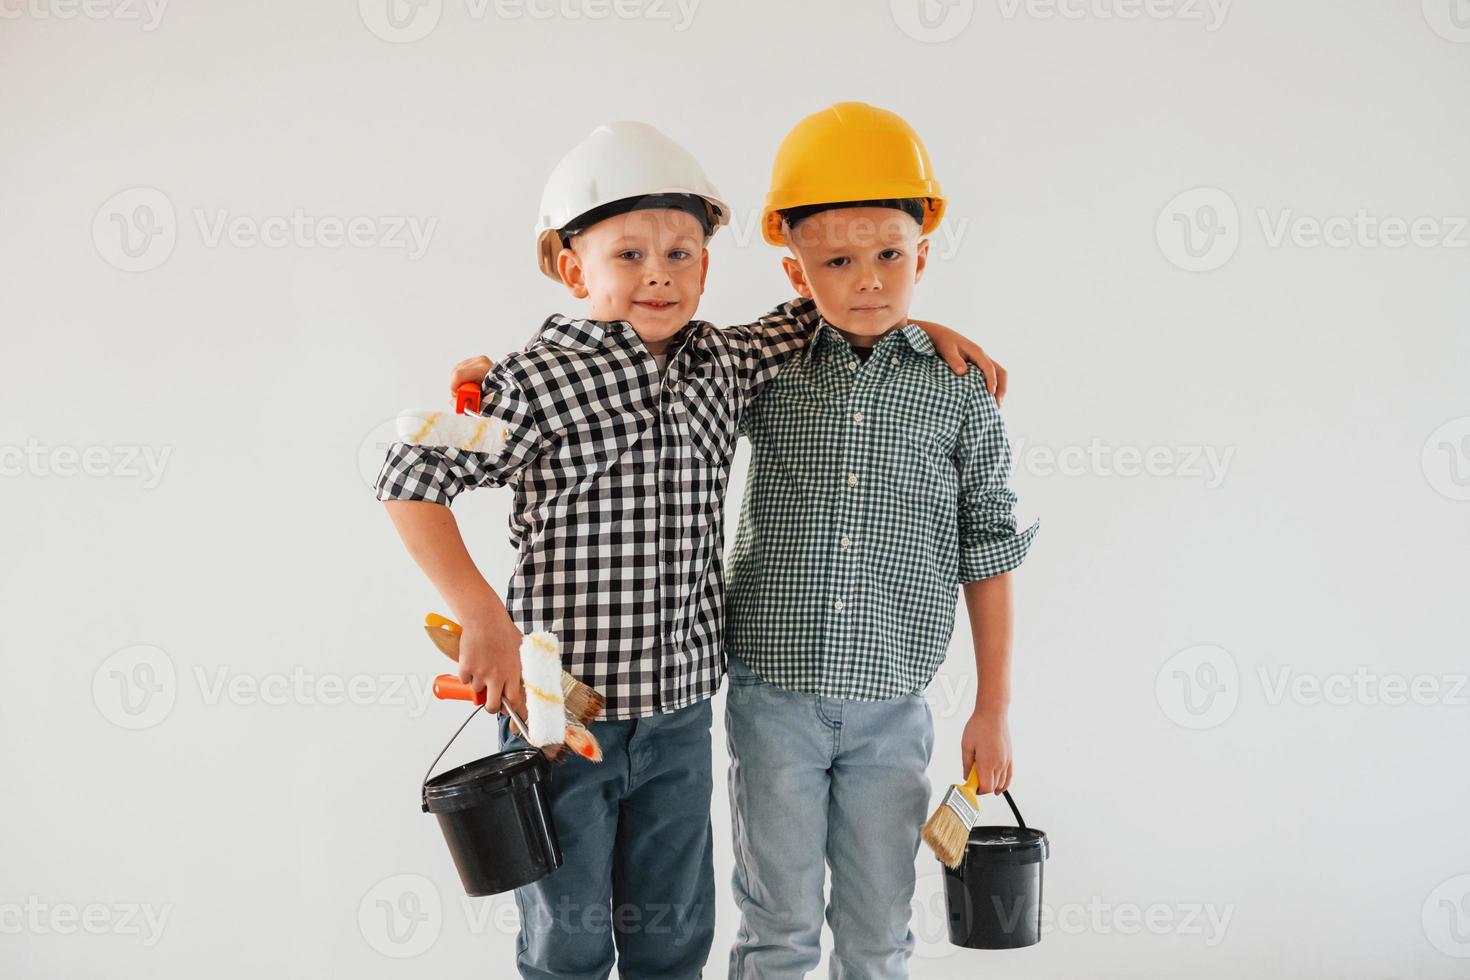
x=447, y=687
x=438, y=622
x=467, y=398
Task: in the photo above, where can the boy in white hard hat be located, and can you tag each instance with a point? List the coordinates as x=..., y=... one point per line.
x=620, y=431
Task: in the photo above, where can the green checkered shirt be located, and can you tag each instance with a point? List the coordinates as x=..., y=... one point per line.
x=875, y=488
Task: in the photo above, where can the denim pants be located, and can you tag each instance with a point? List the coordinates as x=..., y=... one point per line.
x=637, y=874
x=814, y=778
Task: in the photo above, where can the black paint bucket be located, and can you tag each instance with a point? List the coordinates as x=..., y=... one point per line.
x=495, y=813
x=994, y=896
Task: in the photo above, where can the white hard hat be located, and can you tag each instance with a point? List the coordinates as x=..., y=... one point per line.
x=616, y=162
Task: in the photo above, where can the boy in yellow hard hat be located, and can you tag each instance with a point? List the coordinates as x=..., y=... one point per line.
x=620, y=427
x=877, y=486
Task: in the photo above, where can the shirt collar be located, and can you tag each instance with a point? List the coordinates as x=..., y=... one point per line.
x=576, y=333
x=912, y=334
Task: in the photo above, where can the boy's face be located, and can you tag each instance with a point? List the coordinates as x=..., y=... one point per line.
x=859, y=265
x=646, y=267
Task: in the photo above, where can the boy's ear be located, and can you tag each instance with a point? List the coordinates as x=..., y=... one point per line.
x=922, y=251
x=797, y=276
x=569, y=267
x=703, y=270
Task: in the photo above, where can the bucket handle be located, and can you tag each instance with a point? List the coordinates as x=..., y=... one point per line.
x=1012, y=803
x=425, y=788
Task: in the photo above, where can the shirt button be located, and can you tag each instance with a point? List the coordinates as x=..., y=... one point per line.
x=846, y=541
x=852, y=480
x=857, y=417
x=893, y=360
x=852, y=365
x=838, y=605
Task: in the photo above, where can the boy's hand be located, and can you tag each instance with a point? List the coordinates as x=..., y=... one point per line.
x=986, y=745
x=490, y=660
x=470, y=369
x=956, y=350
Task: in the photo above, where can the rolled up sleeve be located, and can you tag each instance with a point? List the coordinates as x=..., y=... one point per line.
x=438, y=474
x=989, y=542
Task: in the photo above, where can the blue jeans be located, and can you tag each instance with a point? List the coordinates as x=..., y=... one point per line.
x=637, y=870
x=814, y=777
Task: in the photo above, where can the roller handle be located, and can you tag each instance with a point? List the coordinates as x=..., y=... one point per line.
x=447, y=687
x=467, y=398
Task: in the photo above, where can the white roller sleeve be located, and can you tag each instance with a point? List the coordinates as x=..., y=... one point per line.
x=469, y=432
x=541, y=677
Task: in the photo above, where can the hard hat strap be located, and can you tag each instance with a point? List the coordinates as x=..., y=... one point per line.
x=702, y=210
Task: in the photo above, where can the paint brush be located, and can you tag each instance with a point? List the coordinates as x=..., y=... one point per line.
x=948, y=830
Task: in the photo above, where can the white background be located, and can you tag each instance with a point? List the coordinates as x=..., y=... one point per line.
x=1206, y=821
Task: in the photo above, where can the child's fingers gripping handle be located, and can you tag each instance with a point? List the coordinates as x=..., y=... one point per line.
x=447, y=687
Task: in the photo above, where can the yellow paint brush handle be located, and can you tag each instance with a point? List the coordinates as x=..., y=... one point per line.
x=971, y=787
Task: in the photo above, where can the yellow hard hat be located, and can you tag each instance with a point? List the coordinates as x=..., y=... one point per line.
x=850, y=152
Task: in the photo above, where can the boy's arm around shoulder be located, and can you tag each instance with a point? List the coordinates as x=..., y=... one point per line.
x=761, y=348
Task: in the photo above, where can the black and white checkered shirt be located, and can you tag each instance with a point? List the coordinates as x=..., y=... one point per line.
x=619, y=479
